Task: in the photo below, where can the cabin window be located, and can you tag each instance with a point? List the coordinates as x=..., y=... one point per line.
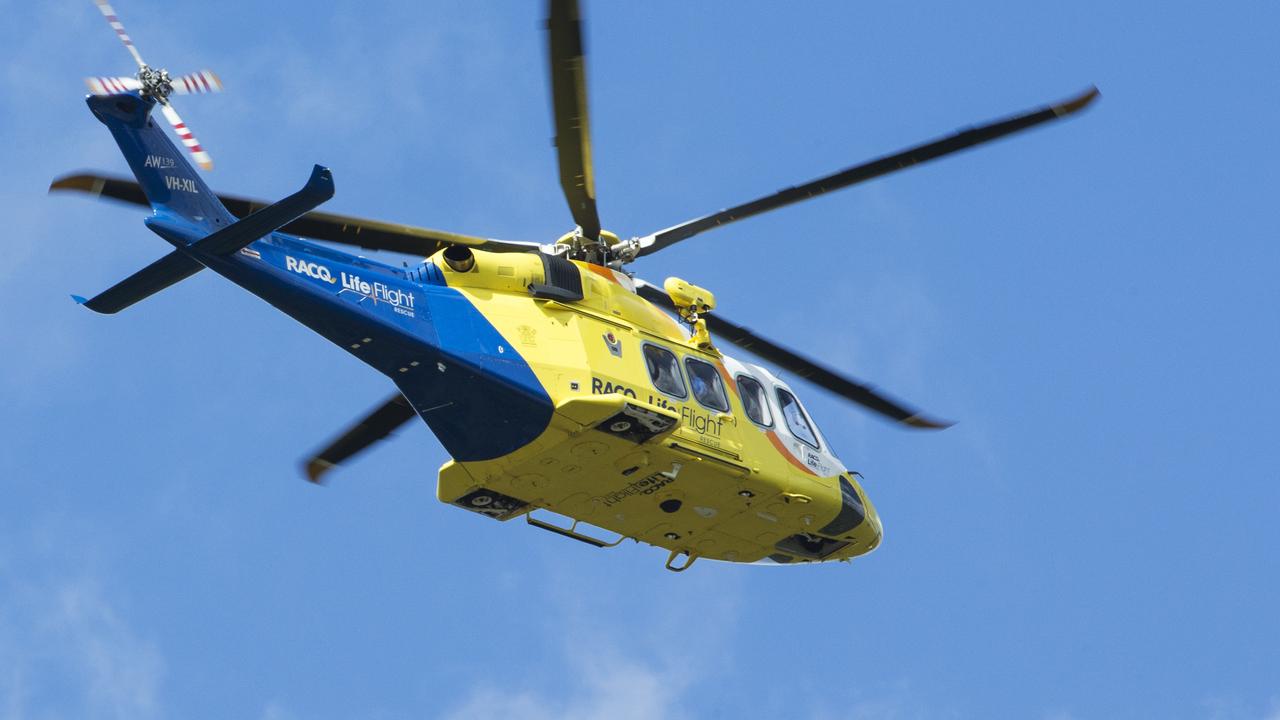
x=754, y=401
x=664, y=370
x=795, y=417
x=707, y=387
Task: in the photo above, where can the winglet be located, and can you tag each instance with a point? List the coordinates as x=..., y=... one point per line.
x=319, y=188
x=1078, y=102
x=320, y=184
x=79, y=300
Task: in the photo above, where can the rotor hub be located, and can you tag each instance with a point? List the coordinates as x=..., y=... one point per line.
x=580, y=247
x=156, y=83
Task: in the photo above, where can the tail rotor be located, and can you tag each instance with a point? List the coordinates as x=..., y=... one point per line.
x=156, y=83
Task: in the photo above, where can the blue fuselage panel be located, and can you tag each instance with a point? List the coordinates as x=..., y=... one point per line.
x=474, y=390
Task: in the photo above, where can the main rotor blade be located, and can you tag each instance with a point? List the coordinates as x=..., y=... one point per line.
x=569, y=103
x=867, y=171
x=343, y=229
x=118, y=26
x=378, y=424
x=811, y=370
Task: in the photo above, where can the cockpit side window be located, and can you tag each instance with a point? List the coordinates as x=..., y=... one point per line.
x=796, y=420
x=707, y=387
x=754, y=401
x=664, y=370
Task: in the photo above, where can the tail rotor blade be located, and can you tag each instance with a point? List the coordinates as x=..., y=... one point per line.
x=112, y=85
x=201, y=157
x=118, y=26
x=204, y=81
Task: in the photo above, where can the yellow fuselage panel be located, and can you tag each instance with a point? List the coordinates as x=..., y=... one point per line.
x=715, y=486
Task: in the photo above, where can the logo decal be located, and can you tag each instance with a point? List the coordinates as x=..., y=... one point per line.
x=528, y=336
x=160, y=162
x=186, y=185
x=615, y=345
x=400, y=300
x=644, y=486
x=703, y=423
x=814, y=461
x=310, y=269
x=607, y=387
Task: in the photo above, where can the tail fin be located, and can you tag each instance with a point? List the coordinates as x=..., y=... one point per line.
x=187, y=213
x=171, y=185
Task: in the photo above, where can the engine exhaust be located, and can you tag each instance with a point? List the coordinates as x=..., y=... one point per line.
x=459, y=258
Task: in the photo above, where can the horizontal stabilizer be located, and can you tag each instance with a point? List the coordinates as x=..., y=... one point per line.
x=319, y=189
x=181, y=264
x=150, y=280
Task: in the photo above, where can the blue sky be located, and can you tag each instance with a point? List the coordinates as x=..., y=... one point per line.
x=1094, y=302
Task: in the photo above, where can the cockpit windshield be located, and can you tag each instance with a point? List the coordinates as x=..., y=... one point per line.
x=795, y=417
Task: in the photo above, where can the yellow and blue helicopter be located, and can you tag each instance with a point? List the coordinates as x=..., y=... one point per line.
x=555, y=379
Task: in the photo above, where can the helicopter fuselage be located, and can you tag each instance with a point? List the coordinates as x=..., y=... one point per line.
x=548, y=402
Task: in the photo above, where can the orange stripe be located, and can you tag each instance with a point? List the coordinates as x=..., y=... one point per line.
x=773, y=438
x=728, y=380
x=603, y=272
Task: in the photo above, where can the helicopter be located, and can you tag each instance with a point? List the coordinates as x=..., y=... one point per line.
x=565, y=389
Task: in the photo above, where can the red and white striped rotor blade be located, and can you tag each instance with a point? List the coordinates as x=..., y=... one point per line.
x=197, y=82
x=112, y=85
x=118, y=26
x=184, y=132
